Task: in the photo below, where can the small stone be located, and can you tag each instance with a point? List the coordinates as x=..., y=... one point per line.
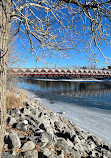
x=62, y=112
x=44, y=139
x=28, y=146
x=27, y=111
x=22, y=116
x=46, y=152
x=58, y=125
x=21, y=126
x=12, y=121
x=25, y=122
x=30, y=120
x=76, y=139
x=62, y=143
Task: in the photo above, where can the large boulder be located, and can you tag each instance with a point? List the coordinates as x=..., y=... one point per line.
x=13, y=140
x=28, y=146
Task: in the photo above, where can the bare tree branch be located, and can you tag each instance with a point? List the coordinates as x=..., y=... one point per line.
x=64, y=24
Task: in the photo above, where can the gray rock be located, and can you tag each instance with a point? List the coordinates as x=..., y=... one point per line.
x=76, y=139
x=70, y=144
x=33, y=111
x=11, y=120
x=25, y=122
x=27, y=111
x=38, y=132
x=93, y=154
x=79, y=147
x=31, y=154
x=72, y=132
x=13, y=112
x=13, y=140
x=46, y=122
x=46, y=152
x=43, y=139
x=62, y=112
x=24, y=128
x=59, y=125
x=21, y=126
x=91, y=146
x=22, y=116
x=62, y=143
x=50, y=131
x=28, y=146
x=54, y=116
x=51, y=123
x=30, y=120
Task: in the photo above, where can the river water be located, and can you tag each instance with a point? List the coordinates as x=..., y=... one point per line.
x=86, y=103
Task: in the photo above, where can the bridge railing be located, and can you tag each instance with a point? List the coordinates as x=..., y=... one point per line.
x=60, y=72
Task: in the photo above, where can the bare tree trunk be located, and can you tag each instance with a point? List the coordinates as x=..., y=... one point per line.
x=4, y=40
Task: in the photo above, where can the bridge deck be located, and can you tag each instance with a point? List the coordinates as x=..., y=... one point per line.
x=53, y=72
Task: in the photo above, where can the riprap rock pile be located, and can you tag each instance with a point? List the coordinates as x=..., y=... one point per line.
x=34, y=131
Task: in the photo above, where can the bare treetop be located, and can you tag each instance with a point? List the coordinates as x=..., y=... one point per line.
x=63, y=25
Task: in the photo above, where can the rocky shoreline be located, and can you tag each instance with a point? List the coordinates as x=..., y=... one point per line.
x=33, y=131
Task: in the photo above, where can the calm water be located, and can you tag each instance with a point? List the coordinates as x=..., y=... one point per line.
x=85, y=94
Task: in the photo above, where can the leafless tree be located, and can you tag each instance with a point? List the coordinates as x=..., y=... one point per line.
x=57, y=26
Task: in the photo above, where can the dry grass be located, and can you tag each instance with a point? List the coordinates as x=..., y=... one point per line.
x=14, y=100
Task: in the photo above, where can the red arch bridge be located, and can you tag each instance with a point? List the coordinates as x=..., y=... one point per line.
x=59, y=73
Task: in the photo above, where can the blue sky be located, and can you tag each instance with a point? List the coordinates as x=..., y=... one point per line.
x=74, y=60
x=81, y=59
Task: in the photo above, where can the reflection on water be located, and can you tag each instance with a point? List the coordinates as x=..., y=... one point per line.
x=86, y=94
x=67, y=88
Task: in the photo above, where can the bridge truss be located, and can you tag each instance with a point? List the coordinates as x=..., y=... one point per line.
x=59, y=73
